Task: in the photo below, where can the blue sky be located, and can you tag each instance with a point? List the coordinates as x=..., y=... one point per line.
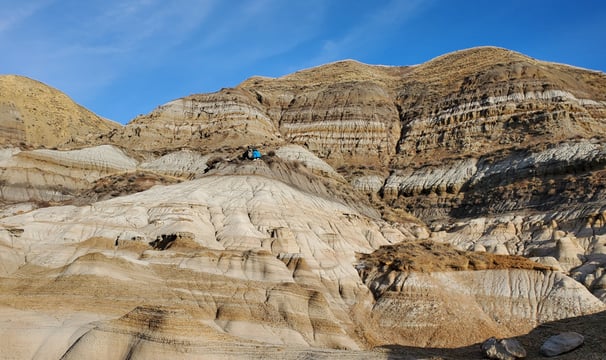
x=121, y=58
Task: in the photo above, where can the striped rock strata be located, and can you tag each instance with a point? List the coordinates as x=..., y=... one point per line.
x=344, y=120
x=452, y=128
x=422, y=289
x=88, y=174
x=477, y=101
x=540, y=178
x=467, y=103
x=230, y=117
x=54, y=175
x=571, y=241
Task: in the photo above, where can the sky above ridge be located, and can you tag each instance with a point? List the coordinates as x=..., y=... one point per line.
x=122, y=58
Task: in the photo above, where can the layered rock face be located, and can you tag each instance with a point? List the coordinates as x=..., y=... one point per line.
x=242, y=259
x=423, y=288
x=54, y=175
x=344, y=112
x=486, y=123
x=328, y=110
x=228, y=118
x=477, y=101
x=541, y=178
x=465, y=124
x=572, y=241
x=34, y=114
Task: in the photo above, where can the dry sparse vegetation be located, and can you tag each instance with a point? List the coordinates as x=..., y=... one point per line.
x=123, y=184
x=429, y=256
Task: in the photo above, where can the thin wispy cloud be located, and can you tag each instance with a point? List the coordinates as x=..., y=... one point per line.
x=260, y=30
x=369, y=30
x=129, y=27
x=121, y=58
x=133, y=24
x=95, y=42
x=14, y=13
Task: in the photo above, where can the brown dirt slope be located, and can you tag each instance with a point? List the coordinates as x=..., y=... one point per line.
x=34, y=114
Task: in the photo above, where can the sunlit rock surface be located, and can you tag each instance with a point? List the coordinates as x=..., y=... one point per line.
x=158, y=239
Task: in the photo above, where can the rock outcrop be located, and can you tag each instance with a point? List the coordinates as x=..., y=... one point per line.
x=570, y=241
x=476, y=101
x=483, y=130
x=231, y=256
x=503, y=349
x=46, y=175
x=227, y=118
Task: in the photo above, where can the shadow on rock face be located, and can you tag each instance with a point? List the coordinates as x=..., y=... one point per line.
x=592, y=327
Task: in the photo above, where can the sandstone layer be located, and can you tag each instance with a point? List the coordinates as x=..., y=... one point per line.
x=422, y=288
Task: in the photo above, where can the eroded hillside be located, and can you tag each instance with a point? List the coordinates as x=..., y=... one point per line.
x=396, y=212
x=431, y=139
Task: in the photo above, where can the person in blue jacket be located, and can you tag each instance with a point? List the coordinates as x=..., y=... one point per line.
x=252, y=153
x=256, y=154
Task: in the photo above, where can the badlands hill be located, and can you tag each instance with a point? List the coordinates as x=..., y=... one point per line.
x=398, y=212
x=34, y=114
x=465, y=128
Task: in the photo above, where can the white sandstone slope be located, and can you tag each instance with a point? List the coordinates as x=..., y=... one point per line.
x=433, y=295
x=299, y=153
x=571, y=241
x=452, y=176
x=51, y=175
x=257, y=259
x=183, y=163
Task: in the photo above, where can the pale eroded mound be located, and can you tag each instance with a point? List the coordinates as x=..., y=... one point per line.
x=243, y=259
x=248, y=263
